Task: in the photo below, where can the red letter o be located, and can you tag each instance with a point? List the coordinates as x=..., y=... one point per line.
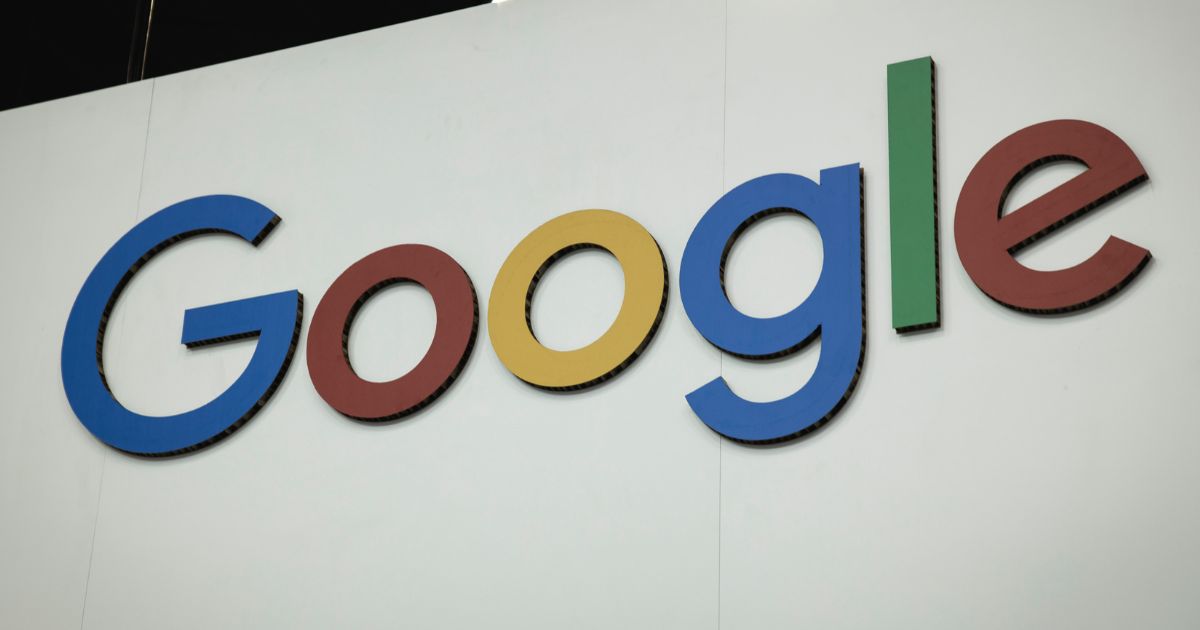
x=457, y=321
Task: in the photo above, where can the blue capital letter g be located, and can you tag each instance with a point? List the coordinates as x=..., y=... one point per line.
x=274, y=318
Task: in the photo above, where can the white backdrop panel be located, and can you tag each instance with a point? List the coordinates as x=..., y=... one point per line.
x=68, y=186
x=500, y=505
x=1005, y=471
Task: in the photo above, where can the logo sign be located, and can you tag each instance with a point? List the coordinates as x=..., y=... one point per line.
x=274, y=319
x=835, y=311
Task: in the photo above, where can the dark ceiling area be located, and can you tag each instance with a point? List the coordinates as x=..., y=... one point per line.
x=57, y=49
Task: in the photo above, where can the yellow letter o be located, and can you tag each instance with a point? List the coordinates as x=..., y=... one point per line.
x=641, y=309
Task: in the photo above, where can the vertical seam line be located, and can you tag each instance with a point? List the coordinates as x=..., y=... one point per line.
x=104, y=460
x=92, y=551
x=721, y=355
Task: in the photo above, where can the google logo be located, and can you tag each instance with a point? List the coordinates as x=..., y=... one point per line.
x=985, y=236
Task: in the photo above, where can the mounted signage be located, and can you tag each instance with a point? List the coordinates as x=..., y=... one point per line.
x=457, y=320
x=834, y=311
x=641, y=309
x=274, y=319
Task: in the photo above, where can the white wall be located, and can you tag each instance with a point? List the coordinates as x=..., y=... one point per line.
x=1005, y=471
